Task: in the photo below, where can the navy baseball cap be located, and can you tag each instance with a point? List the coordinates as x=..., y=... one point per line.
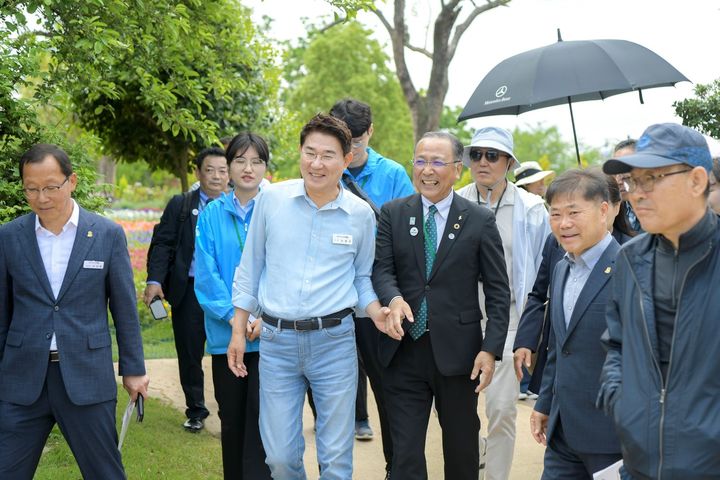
x=662, y=145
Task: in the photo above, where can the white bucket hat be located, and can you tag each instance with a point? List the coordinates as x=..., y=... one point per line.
x=491, y=137
x=530, y=172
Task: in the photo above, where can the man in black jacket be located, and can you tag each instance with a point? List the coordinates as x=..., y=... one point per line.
x=171, y=272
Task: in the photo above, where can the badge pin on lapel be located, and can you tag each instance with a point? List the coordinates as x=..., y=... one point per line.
x=413, y=231
x=608, y=270
x=412, y=221
x=89, y=234
x=195, y=211
x=451, y=236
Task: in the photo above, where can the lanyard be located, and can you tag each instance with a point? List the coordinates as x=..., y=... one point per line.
x=237, y=232
x=488, y=203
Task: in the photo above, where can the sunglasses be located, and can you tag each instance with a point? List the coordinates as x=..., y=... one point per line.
x=492, y=156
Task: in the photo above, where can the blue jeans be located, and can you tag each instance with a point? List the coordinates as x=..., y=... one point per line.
x=326, y=361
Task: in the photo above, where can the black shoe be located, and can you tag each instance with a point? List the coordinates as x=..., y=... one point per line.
x=194, y=425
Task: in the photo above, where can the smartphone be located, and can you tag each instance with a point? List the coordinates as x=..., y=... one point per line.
x=157, y=308
x=140, y=407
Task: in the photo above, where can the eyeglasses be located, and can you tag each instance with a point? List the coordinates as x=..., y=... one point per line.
x=49, y=191
x=647, y=182
x=254, y=162
x=492, y=156
x=311, y=156
x=356, y=143
x=422, y=163
x=213, y=171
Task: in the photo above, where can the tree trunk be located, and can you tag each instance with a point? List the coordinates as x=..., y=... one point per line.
x=181, y=169
x=426, y=110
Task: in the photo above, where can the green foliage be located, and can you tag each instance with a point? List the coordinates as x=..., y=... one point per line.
x=338, y=62
x=449, y=123
x=20, y=127
x=546, y=146
x=156, y=80
x=702, y=112
x=155, y=449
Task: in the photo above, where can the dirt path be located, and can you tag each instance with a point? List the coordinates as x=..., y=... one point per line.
x=367, y=456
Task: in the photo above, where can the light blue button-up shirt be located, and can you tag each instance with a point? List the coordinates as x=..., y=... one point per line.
x=580, y=269
x=300, y=261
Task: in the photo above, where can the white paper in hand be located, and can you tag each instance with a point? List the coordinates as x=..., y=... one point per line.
x=609, y=473
x=125, y=422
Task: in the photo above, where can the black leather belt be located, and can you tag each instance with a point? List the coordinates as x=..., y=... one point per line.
x=314, y=323
x=54, y=356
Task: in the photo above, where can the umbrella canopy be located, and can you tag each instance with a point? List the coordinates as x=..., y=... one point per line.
x=567, y=72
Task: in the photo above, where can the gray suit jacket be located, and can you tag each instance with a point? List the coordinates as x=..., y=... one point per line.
x=29, y=313
x=571, y=379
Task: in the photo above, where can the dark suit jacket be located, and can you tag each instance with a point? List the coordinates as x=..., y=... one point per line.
x=29, y=313
x=169, y=237
x=575, y=359
x=531, y=322
x=452, y=287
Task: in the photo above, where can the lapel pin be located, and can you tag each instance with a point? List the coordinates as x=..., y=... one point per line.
x=608, y=270
x=456, y=226
x=89, y=234
x=459, y=217
x=412, y=221
x=195, y=211
x=451, y=236
x=413, y=231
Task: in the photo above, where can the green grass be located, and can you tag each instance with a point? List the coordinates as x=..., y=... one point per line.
x=157, y=448
x=157, y=338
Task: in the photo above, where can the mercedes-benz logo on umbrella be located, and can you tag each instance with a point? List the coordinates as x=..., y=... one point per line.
x=500, y=92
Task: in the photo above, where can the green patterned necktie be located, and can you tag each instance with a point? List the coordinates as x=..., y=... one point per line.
x=430, y=228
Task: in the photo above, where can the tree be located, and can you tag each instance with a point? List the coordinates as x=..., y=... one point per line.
x=426, y=107
x=20, y=129
x=546, y=146
x=702, y=112
x=156, y=79
x=449, y=123
x=341, y=61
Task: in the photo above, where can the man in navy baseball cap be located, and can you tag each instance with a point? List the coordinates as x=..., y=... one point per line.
x=661, y=323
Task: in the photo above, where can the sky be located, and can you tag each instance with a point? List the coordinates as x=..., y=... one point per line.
x=685, y=33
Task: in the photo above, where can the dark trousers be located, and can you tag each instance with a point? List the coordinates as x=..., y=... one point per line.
x=239, y=409
x=411, y=381
x=88, y=429
x=366, y=337
x=563, y=462
x=189, y=331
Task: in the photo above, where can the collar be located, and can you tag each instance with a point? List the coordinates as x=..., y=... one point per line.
x=592, y=255
x=73, y=220
x=699, y=233
x=342, y=201
x=242, y=210
x=443, y=206
x=370, y=164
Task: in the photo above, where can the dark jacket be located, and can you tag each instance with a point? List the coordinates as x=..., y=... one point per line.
x=470, y=249
x=170, y=259
x=531, y=328
x=668, y=430
x=575, y=359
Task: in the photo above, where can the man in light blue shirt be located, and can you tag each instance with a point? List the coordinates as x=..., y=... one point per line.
x=307, y=262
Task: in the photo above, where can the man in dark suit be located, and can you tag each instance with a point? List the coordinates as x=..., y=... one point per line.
x=581, y=440
x=171, y=275
x=61, y=267
x=432, y=249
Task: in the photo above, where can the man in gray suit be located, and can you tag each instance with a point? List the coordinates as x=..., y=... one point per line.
x=60, y=268
x=580, y=438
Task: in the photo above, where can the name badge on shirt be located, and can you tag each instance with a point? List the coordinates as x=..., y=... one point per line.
x=93, y=264
x=341, y=239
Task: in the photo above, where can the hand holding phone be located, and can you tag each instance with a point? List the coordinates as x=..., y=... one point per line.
x=157, y=308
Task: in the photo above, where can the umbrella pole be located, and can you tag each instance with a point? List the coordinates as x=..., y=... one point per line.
x=572, y=119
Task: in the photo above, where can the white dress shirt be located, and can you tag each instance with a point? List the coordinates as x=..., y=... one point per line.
x=443, y=211
x=55, y=252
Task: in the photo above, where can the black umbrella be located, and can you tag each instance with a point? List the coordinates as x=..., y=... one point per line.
x=567, y=72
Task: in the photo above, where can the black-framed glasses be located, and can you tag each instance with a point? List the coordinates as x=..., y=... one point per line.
x=422, y=163
x=492, y=156
x=49, y=190
x=647, y=182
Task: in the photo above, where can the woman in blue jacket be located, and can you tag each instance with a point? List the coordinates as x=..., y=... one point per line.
x=220, y=239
